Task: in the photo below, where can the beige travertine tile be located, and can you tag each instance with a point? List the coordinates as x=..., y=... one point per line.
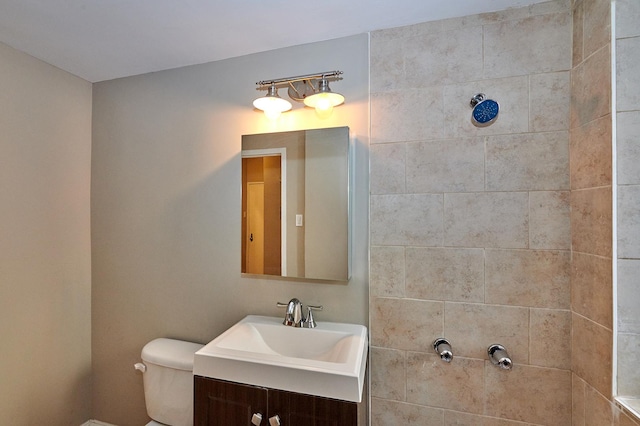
x=387, y=168
x=388, y=373
x=471, y=328
x=591, y=88
x=591, y=221
x=629, y=221
x=508, y=14
x=535, y=44
x=591, y=352
x=550, y=7
x=405, y=323
x=455, y=418
x=387, y=271
x=412, y=219
x=628, y=296
x=532, y=161
x=457, y=385
x=549, y=220
x=529, y=394
x=591, y=163
x=628, y=147
x=538, y=278
x=578, y=32
x=628, y=361
x=442, y=58
x=549, y=102
x=597, y=25
x=407, y=115
x=628, y=74
x=478, y=20
x=577, y=400
x=492, y=219
x=598, y=410
x=387, y=63
x=445, y=166
x=627, y=18
x=511, y=93
x=445, y=274
x=592, y=287
x=397, y=33
x=387, y=413
x=550, y=340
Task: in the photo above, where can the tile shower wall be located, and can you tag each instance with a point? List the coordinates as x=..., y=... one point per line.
x=470, y=227
x=591, y=206
x=591, y=219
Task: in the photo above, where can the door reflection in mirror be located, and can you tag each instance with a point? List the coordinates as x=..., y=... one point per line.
x=264, y=195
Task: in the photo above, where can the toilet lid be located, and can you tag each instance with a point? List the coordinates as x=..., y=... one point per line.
x=171, y=353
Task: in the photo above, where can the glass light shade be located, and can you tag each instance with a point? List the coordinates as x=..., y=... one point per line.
x=272, y=104
x=324, y=100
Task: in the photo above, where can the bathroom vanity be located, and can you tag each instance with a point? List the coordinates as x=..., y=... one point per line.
x=222, y=403
x=261, y=372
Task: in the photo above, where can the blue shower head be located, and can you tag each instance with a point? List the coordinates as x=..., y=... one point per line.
x=485, y=111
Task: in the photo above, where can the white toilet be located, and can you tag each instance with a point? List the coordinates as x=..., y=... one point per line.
x=168, y=381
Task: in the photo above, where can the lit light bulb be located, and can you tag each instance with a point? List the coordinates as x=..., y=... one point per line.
x=324, y=107
x=272, y=114
x=323, y=103
x=324, y=100
x=272, y=104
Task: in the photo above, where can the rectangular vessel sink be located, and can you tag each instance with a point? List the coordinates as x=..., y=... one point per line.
x=328, y=360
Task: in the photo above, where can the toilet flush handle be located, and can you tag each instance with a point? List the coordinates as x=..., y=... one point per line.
x=140, y=366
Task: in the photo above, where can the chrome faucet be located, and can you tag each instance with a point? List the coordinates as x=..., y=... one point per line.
x=293, y=315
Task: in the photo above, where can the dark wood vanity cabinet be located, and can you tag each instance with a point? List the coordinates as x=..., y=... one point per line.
x=221, y=403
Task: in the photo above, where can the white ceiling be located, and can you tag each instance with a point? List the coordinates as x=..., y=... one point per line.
x=105, y=39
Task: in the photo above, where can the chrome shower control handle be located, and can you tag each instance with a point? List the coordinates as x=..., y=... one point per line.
x=443, y=349
x=499, y=357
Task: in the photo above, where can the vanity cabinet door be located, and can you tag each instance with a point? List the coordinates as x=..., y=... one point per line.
x=297, y=409
x=219, y=403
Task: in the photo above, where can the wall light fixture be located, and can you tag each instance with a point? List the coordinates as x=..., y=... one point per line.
x=311, y=89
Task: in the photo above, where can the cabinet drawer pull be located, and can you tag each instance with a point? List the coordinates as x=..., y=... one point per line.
x=274, y=421
x=256, y=419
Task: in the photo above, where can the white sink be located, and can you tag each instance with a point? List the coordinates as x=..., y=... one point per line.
x=328, y=360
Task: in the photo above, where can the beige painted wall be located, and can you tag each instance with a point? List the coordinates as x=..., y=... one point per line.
x=45, y=276
x=166, y=208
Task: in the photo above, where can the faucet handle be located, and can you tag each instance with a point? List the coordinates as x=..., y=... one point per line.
x=293, y=315
x=310, y=322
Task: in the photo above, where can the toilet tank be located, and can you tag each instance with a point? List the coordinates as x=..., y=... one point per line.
x=168, y=380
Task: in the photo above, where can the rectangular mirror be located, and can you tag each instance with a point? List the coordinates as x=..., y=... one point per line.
x=295, y=204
